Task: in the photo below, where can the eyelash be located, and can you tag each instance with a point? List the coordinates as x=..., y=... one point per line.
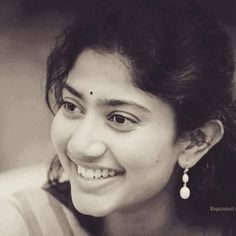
x=67, y=104
x=69, y=108
x=110, y=117
x=126, y=124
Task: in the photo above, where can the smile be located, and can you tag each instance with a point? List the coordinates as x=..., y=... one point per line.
x=93, y=174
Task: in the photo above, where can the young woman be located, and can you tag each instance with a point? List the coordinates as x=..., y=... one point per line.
x=144, y=126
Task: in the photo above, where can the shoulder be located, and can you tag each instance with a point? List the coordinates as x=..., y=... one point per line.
x=39, y=213
x=11, y=221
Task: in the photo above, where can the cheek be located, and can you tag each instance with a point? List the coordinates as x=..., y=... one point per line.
x=145, y=149
x=149, y=159
x=61, y=132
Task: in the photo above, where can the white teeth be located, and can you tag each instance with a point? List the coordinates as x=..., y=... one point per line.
x=95, y=174
x=83, y=173
x=79, y=170
x=98, y=173
x=105, y=173
x=112, y=173
x=90, y=174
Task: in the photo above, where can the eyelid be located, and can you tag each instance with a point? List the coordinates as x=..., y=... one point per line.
x=73, y=101
x=125, y=113
x=129, y=125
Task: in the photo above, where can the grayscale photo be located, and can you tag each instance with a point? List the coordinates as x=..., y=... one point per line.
x=117, y=118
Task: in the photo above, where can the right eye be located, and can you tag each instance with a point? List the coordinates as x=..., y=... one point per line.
x=72, y=109
x=69, y=107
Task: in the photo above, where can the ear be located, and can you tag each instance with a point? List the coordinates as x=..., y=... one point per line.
x=200, y=142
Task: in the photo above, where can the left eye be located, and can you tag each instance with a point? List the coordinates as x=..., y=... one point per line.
x=121, y=122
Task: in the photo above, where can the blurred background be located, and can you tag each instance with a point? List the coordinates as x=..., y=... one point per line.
x=27, y=32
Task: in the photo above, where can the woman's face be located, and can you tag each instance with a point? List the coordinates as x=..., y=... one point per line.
x=115, y=141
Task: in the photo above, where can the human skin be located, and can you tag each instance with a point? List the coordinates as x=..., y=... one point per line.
x=136, y=142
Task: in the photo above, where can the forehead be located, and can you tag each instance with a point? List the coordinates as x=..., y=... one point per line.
x=107, y=75
x=112, y=66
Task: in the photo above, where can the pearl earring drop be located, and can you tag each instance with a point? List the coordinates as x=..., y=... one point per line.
x=185, y=191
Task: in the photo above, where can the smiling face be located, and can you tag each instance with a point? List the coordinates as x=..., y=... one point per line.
x=115, y=142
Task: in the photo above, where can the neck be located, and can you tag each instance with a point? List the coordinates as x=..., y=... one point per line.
x=155, y=216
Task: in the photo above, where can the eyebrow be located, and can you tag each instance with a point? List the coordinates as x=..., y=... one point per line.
x=107, y=102
x=118, y=103
x=74, y=92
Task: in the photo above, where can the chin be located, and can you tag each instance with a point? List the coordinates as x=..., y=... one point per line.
x=91, y=208
x=92, y=211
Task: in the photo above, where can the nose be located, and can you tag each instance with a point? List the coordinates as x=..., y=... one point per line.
x=86, y=142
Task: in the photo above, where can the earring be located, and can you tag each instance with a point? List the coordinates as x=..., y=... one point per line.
x=185, y=191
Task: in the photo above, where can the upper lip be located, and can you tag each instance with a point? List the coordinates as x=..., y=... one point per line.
x=91, y=165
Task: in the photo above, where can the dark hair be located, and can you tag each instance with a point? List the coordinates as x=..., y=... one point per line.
x=178, y=53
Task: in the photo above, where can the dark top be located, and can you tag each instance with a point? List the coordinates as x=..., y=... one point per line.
x=93, y=225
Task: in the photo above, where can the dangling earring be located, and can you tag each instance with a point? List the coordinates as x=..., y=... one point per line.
x=185, y=191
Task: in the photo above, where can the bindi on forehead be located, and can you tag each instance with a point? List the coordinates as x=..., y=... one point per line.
x=91, y=92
